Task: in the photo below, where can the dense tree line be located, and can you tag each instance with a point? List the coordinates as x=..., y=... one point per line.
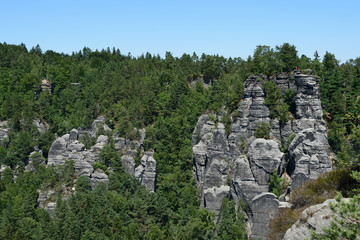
x=164, y=95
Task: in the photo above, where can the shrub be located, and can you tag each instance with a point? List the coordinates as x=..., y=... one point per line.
x=277, y=185
x=263, y=130
x=311, y=193
x=226, y=120
x=97, y=165
x=212, y=117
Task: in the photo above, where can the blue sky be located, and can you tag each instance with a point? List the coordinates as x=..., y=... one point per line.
x=228, y=28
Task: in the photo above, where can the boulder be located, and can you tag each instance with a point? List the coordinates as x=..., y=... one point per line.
x=314, y=218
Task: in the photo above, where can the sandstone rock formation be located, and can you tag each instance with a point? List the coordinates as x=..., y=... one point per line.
x=314, y=218
x=238, y=165
x=69, y=147
x=146, y=171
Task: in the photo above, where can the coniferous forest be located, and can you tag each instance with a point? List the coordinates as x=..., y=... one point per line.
x=164, y=95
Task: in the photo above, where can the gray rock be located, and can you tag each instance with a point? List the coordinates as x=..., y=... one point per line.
x=214, y=197
x=45, y=201
x=265, y=158
x=98, y=177
x=146, y=171
x=50, y=208
x=309, y=157
x=56, y=152
x=314, y=218
x=142, y=133
x=128, y=162
x=102, y=139
x=120, y=143
x=36, y=159
x=83, y=168
x=99, y=126
x=244, y=185
x=264, y=208
x=73, y=135
x=239, y=165
x=78, y=147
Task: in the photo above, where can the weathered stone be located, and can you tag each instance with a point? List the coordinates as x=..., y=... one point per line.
x=76, y=147
x=146, y=171
x=265, y=158
x=83, y=168
x=56, y=152
x=98, y=177
x=220, y=160
x=309, y=157
x=99, y=126
x=264, y=208
x=73, y=135
x=41, y=127
x=128, y=162
x=36, y=159
x=120, y=143
x=314, y=218
x=102, y=139
x=213, y=198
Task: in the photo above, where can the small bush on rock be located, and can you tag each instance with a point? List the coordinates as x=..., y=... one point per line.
x=263, y=130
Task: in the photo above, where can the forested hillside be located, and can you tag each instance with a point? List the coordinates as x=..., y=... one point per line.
x=166, y=96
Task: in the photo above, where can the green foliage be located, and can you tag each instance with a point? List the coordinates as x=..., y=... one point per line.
x=277, y=185
x=232, y=222
x=311, y=193
x=97, y=165
x=227, y=121
x=137, y=92
x=346, y=223
x=262, y=131
x=67, y=172
x=88, y=141
x=277, y=102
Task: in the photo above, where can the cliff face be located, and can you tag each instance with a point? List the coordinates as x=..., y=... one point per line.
x=238, y=165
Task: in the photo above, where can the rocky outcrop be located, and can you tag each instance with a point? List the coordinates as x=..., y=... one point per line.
x=45, y=200
x=42, y=127
x=239, y=166
x=314, y=218
x=68, y=147
x=99, y=127
x=308, y=156
x=146, y=171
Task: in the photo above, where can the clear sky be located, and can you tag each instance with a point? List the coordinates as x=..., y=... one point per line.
x=228, y=28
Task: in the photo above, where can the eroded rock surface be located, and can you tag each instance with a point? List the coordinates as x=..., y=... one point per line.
x=146, y=171
x=238, y=165
x=314, y=218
